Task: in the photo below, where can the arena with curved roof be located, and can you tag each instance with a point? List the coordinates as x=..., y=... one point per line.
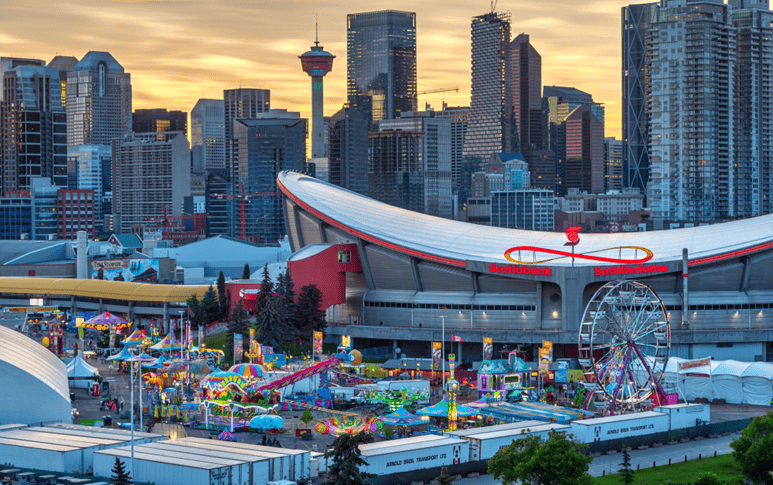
x=420, y=273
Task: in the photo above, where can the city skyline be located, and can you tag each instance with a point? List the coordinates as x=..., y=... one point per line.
x=180, y=51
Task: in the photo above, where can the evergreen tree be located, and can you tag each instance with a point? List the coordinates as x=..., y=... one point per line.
x=194, y=305
x=266, y=290
x=120, y=475
x=272, y=325
x=246, y=273
x=221, y=295
x=626, y=472
x=288, y=299
x=310, y=317
x=347, y=460
x=209, y=308
x=238, y=320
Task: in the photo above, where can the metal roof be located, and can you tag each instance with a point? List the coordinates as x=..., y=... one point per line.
x=454, y=243
x=407, y=444
x=116, y=290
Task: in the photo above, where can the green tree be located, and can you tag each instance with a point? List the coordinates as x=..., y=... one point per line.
x=445, y=478
x=194, y=305
x=309, y=315
x=221, y=295
x=246, y=272
x=272, y=324
x=347, y=460
x=557, y=461
x=239, y=321
x=266, y=290
x=625, y=472
x=286, y=289
x=209, y=308
x=753, y=450
x=120, y=475
x=307, y=417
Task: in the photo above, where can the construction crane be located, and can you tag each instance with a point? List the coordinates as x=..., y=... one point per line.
x=415, y=103
x=243, y=198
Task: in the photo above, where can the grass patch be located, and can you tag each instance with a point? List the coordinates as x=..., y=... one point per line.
x=723, y=466
x=220, y=341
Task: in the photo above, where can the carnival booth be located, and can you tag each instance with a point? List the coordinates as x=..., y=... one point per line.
x=80, y=374
x=501, y=375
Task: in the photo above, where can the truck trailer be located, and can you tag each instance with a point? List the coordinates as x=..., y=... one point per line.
x=404, y=455
x=616, y=427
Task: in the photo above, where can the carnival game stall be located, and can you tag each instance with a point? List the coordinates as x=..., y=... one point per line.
x=80, y=374
x=503, y=376
x=439, y=412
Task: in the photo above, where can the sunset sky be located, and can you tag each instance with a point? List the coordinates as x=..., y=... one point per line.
x=178, y=51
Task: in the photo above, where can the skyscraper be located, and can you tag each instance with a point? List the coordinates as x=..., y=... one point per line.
x=263, y=147
x=381, y=62
x=526, y=86
x=459, y=116
x=151, y=177
x=584, y=147
x=242, y=104
x=690, y=95
x=348, y=149
x=491, y=126
x=64, y=64
x=208, y=134
x=434, y=164
x=613, y=166
x=636, y=20
x=394, y=173
x=159, y=121
x=33, y=128
x=99, y=100
x=92, y=164
x=317, y=63
x=558, y=102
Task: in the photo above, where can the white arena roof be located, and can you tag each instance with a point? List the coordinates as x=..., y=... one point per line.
x=34, y=381
x=455, y=243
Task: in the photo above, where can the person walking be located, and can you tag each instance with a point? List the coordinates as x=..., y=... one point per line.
x=120, y=406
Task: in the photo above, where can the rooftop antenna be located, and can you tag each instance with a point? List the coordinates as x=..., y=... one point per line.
x=493, y=5
x=316, y=42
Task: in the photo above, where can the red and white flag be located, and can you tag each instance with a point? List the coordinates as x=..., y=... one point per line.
x=454, y=338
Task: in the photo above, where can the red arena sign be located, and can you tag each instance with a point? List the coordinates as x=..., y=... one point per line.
x=624, y=270
x=513, y=269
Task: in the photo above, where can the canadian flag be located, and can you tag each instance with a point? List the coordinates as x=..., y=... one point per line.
x=454, y=338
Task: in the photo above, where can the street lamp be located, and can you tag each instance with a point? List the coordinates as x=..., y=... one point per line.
x=443, y=352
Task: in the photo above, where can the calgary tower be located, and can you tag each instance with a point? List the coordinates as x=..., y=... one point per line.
x=316, y=63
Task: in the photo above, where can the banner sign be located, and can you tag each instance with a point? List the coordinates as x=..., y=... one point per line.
x=252, y=336
x=136, y=270
x=545, y=358
x=238, y=347
x=318, y=342
x=346, y=341
x=691, y=364
x=437, y=358
x=488, y=348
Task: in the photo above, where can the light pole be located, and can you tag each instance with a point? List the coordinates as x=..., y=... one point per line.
x=443, y=352
x=131, y=372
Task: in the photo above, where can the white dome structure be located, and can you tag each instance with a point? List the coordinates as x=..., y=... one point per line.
x=34, y=382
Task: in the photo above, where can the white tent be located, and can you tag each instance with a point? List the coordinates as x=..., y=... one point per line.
x=79, y=373
x=758, y=384
x=726, y=378
x=696, y=382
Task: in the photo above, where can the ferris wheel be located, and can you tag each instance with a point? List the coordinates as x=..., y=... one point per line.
x=624, y=344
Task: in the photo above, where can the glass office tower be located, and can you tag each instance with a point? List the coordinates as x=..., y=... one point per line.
x=381, y=62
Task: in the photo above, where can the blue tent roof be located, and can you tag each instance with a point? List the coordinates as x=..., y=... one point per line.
x=123, y=355
x=441, y=410
x=401, y=417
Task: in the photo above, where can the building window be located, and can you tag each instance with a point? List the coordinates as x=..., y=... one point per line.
x=344, y=256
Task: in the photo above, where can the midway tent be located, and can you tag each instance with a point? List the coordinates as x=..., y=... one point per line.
x=735, y=382
x=758, y=384
x=80, y=373
x=726, y=378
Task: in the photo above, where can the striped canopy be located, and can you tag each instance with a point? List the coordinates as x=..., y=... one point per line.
x=248, y=370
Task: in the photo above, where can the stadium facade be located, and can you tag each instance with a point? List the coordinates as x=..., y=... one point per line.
x=421, y=273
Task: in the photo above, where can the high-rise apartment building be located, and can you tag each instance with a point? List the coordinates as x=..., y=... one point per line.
x=613, y=164
x=151, y=177
x=99, y=100
x=208, y=134
x=434, y=158
x=33, y=128
x=241, y=104
x=263, y=147
x=636, y=21
x=691, y=59
x=159, y=121
x=459, y=116
x=531, y=209
x=490, y=126
x=753, y=106
x=381, y=62
x=348, y=149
